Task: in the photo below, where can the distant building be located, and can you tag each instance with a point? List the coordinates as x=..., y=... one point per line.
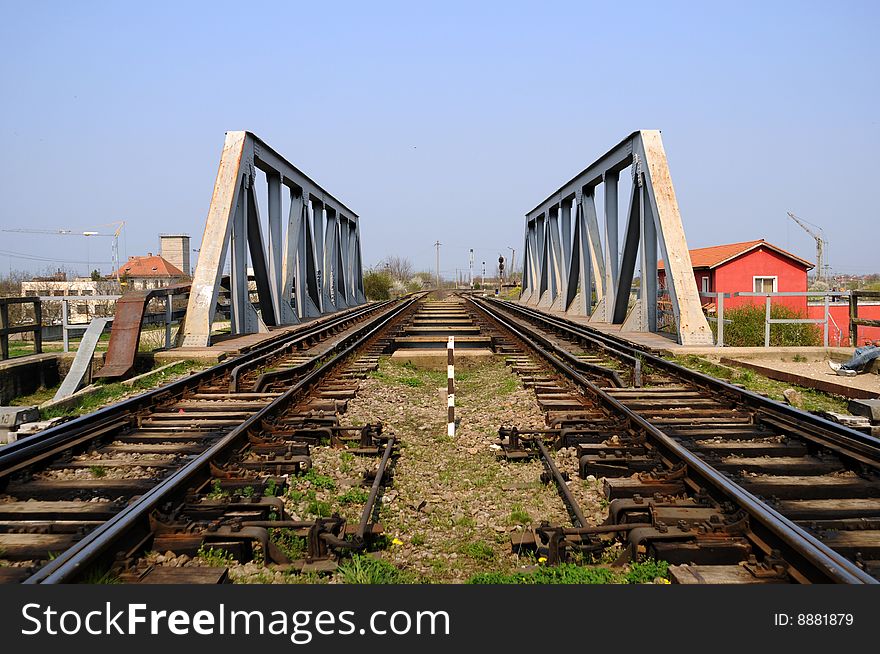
x=174, y=248
x=748, y=267
x=149, y=272
x=79, y=310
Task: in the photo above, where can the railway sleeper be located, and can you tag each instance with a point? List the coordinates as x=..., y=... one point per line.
x=617, y=464
x=748, y=572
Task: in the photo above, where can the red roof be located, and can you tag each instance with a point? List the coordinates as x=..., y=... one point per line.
x=714, y=256
x=149, y=266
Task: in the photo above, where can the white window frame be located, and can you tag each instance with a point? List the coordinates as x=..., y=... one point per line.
x=775, y=279
x=705, y=284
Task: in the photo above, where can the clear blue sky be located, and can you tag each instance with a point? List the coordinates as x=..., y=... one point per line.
x=438, y=120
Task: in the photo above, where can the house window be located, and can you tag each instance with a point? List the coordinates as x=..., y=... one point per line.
x=705, y=281
x=765, y=284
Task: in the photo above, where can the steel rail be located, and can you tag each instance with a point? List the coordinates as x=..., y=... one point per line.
x=845, y=441
x=567, y=495
x=78, y=558
x=47, y=442
x=285, y=347
x=374, y=490
x=612, y=375
x=830, y=565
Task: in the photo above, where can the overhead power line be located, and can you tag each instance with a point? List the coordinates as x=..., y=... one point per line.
x=30, y=257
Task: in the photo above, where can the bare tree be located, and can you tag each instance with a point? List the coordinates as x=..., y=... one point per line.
x=400, y=268
x=10, y=286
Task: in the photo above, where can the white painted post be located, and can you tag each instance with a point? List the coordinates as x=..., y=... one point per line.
x=827, y=312
x=767, y=324
x=720, y=315
x=450, y=386
x=169, y=313
x=64, y=325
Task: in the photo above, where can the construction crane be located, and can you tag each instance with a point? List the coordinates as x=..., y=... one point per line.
x=115, y=248
x=72, y=232
x=57, y=232
x=821, y=243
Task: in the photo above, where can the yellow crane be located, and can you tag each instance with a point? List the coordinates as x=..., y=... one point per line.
x=75, y=232
x=821, y=243
x=115, y=247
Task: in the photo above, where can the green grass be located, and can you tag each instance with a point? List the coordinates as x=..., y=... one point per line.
x=418, y=540
x=346, y=459
x=217, y=492
x=353, y=496
x=215, y=558
x=361, y=569
x=319, y=508
x=102, y=578
x=508, y=386
x=465, y=521
x=286, y=540
x=318, y=480
x=98, y=471
x=478, y=551
x=568, y=573
x=406, y=374
x=645, y=572
x=108, y=393
x=36, y=398
x=271, y=489
x=519, y=516
x=813, y=400
x=296, y=495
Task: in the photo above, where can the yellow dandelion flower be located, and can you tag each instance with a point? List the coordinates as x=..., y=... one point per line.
x=542, y=559
x=396, y=541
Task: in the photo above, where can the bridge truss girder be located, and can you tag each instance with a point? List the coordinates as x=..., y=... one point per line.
x=311, y=268
x=563, y=269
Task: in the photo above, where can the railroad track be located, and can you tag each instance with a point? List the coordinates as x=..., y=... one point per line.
x=726, y=485
x=197, y=462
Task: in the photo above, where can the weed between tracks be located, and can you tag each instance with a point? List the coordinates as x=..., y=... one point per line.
x=645, y=572
x=454, y=505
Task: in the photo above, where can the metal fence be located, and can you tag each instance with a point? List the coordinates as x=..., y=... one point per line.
x=6, y=329
x=854, y=320
x=826, y=320
x=168, y=317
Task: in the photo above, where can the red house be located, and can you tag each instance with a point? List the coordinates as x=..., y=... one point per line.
x=761, y=267
x=752, y=266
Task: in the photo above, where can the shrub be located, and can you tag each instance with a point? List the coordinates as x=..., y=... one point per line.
x=746, y=328
x=377, y=285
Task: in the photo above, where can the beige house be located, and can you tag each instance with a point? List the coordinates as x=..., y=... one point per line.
x=80, y=309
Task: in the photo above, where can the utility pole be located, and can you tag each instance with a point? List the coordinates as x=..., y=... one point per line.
x=437, y=245
x=471, y=269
